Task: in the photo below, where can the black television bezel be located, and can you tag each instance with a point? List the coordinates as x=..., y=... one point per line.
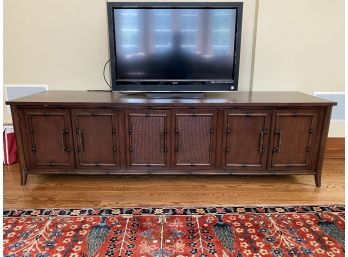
x=174, y=85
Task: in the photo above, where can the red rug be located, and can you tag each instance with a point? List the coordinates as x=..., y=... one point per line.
x=179, y=232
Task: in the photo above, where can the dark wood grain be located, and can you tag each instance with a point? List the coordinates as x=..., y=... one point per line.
x=326, y=115
x=73, y=98
x=147, y=140
x=19, y=129
x=293, y=139
x=246, y=139
x=49, y=136
x=70, y=132
x=194, y=143
x=96, y=138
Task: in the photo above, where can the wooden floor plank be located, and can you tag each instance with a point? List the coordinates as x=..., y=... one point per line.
x=61, y=191
x=335, y=148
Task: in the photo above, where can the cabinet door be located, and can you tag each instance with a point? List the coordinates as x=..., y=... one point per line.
x=49, y=137
x=246, y=139
x=195, y=139
x=147, y=140
x=96, y=138
x=293, y=139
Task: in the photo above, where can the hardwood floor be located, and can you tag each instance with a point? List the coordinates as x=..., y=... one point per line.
x=59, y=191
x=335, y=148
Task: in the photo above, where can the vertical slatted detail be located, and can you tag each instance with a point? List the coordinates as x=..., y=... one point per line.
x=194, y=139
x=147, y=140
x=147, y=143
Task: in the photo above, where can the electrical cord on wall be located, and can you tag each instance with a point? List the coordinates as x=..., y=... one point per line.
x=102, y=90
x=104, y=75
x=106, y=81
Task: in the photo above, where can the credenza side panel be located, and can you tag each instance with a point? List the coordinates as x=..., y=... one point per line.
x=21, y=141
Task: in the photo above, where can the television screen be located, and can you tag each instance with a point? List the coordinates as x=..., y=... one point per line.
x=174, y=45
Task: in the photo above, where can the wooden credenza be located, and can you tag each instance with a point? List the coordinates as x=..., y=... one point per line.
x=78, y=132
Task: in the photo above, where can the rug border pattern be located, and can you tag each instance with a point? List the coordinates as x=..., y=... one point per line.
x=48, y=212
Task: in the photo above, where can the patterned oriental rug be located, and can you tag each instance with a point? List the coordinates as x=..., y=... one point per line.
x=179, y=232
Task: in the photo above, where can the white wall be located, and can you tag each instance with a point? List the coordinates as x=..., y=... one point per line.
x=299, y=45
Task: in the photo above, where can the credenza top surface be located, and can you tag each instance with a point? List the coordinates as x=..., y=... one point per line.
x=212, y=99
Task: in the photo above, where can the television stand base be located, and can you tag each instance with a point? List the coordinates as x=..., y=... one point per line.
x=170, y=95
x=239, y=133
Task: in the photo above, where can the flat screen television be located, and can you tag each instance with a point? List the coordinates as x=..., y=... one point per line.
x=176, y=47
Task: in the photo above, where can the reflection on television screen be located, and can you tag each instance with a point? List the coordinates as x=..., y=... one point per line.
x=175, y=44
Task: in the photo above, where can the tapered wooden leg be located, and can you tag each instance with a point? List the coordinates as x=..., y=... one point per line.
x=317, y=178
x=24, y=177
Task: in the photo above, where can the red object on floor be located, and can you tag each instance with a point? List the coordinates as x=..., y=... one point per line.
x=177, y=232
x=10, y=147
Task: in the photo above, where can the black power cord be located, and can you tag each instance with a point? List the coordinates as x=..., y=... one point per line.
x=103, y=90
x=106, y=81
x=104, y=75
